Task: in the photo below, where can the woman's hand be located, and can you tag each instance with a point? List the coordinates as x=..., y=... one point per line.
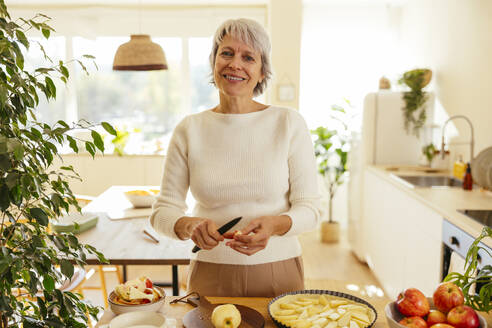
x=202, y=231
x=254, y=237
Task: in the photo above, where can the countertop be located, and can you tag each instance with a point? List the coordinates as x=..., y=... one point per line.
x=368, y=293
x=443, y=200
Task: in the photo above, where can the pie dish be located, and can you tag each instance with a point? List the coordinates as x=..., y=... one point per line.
x=323, y=308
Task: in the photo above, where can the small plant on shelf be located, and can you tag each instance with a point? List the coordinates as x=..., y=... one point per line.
x=414, y=112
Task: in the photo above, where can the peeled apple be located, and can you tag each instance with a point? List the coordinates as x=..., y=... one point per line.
x=226, y=316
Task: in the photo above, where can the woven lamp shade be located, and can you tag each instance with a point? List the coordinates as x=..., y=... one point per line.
x=139, y=54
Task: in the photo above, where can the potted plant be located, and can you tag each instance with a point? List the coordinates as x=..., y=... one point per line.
x=414, y=112
x=331, y=148
x=34, y=260
x=429, y=151
x=473, y=278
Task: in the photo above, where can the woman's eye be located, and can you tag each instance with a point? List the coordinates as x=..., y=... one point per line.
x=249, y=58
x=226, y=53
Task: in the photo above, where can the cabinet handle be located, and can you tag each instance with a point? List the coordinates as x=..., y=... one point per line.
x=454, y=241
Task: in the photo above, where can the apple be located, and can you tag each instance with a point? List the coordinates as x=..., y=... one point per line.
x=435, y=316
x=463, y=316
x=447, y=296
x=148, y=283
x=412, y=303
x=413, y=322
x=441, y=325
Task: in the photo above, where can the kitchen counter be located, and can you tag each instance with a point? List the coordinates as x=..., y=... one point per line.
x=444, y=200
x=369, y=293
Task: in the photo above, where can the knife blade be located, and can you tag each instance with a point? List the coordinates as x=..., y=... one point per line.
x=222, y=230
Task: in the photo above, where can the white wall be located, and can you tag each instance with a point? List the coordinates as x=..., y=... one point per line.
x=454, y=39
x=285, y=23
x=102, y=172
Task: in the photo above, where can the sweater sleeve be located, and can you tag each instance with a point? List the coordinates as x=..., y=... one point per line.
x=170, y=204
x=304, y=195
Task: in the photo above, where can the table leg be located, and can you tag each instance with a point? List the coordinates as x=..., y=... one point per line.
x=124, y=272
x=175, y=281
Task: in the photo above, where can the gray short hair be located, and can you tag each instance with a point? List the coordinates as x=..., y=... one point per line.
x=255, y=36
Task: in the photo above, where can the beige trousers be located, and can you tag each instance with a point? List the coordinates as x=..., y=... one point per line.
x=259, y=280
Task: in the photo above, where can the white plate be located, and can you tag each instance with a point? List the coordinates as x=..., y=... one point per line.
x=138, y=319
x=482, y=168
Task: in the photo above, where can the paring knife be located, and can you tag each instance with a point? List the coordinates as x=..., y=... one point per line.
x=222, y=230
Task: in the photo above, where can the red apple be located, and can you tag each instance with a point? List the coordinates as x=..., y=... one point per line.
x=447, y=296
x=463, y=316
x=413, y=322
x=412, y=303
x=435, y=316
x=441, y=325
x=148, y=283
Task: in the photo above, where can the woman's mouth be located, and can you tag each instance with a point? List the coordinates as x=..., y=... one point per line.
x=233, y=78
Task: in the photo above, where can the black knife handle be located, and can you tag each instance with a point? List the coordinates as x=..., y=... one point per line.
x=195, y=249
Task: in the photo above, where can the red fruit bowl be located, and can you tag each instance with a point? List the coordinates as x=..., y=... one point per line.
x=393, y=316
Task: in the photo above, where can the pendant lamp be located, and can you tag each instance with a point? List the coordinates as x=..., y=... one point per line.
x=139, y=54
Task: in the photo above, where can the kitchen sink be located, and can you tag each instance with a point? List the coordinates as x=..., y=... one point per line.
x=428, y=181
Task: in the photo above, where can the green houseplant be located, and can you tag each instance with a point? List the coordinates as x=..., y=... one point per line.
x=34, y=260
x=331, y=148
x=473, y=277
x=414, y=112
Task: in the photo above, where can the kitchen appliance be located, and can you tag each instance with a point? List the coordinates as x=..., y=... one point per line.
x=481, y=216
x=458, y=241
x=383, y=141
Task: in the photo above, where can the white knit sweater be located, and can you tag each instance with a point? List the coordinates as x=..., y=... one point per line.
x=248, y=165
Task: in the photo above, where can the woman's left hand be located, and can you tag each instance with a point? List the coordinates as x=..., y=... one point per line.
x=254, y=237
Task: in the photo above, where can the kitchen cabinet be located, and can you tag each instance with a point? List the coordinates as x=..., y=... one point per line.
x=402, y=237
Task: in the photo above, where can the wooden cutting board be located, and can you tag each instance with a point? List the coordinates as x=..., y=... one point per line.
x=200, y=317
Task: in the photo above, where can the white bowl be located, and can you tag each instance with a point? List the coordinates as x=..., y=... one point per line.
x=393, y=316
x=140, y=200
x=125, y=308
x=137, y=319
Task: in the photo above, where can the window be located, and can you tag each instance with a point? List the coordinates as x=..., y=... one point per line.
x=52, y=111
x=148, y=105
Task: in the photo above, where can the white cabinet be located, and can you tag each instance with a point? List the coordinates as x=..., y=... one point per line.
x=402, y=238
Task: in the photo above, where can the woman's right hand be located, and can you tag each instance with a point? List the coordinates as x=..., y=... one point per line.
x=202, y=231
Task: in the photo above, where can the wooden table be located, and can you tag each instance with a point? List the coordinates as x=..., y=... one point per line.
x=122, y=240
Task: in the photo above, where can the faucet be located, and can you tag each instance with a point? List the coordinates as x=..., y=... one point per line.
x=472, y=141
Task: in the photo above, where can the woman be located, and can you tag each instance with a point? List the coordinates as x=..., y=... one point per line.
x=241, y=158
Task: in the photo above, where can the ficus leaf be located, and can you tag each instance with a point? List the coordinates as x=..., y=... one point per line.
x=48, y=283
x=109, y=128
x=40, y=216
x=97, y=140
x=67, y=268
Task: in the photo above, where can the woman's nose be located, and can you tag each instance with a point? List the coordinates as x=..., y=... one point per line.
x=235, y=63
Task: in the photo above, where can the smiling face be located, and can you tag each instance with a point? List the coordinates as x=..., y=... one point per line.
x=237, y=68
